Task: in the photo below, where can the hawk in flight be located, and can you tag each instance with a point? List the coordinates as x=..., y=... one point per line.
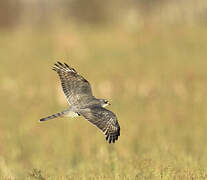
x=82, y=103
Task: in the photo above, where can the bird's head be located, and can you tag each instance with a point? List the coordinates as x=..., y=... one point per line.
x=104, y=102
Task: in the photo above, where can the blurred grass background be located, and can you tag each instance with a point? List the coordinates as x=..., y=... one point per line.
x=148, y=58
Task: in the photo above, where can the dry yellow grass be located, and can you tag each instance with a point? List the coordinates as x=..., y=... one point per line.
x=155, y=80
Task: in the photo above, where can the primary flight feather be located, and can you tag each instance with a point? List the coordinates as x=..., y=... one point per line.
x=82, y=102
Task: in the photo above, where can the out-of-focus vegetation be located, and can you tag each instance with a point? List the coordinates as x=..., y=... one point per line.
x=147, y=58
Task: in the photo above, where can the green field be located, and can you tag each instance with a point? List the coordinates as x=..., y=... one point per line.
x=155, y=78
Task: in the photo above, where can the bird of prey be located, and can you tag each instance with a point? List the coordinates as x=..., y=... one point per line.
x=82, y=103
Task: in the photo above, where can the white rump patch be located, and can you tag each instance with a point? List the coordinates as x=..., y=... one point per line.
x=71, y=114
x=104, y=105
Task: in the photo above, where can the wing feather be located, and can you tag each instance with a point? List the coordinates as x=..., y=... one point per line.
x=74, y=86
x=105, y=120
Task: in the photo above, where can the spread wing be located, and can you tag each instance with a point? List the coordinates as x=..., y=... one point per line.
x=74, y=86
x=105, y=120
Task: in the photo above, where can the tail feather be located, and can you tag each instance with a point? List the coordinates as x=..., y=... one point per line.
x=54, y=116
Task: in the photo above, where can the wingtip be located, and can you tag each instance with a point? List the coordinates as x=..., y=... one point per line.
x=66, y=65
x=59, y=63
x=56, y=65
x=111, y=139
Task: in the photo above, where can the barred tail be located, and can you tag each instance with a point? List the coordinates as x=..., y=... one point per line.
x=54, y=116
